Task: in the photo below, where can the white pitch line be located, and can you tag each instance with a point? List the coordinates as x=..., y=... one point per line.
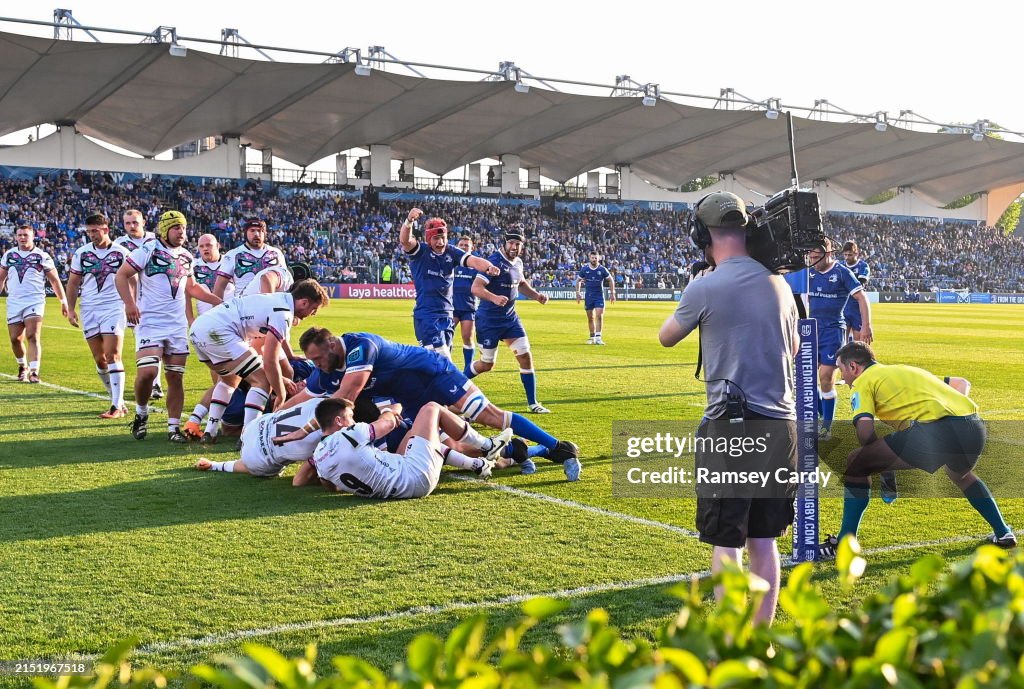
x=580, y=506
x=227, y=637
x=73, y=391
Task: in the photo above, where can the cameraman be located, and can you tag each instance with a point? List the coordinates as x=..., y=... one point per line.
x=747, y=319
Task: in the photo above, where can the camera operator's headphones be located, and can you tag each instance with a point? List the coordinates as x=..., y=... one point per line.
x=700, y=235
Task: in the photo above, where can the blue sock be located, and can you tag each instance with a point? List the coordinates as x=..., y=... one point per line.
x=537, y=451
x=529, y=379
x=467, y=355
x=525, y=428
x=469, y=372
x=981, y=499
x=828, y=408
x=855, y=500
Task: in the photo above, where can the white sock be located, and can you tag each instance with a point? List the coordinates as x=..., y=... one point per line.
x=461, y=461
x=21, y=360
x=198, y=414
x=142, y=411
x=104, y=374
x=472, y=438
x=228, y=467
x=116, y=384
x=33, y=366
x=255, y=403
x=222, y=393
x=173, y=424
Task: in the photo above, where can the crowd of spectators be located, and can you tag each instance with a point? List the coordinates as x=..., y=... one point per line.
x=353, y=239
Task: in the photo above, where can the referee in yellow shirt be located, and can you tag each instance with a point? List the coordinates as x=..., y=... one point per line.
x=937, y=426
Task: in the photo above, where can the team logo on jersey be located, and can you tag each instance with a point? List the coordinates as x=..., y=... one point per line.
x=355, y=355
x=22, y=264
x=100, y=268
x=246, y=263
x=205, y=275
x=174, y=267
x=833, y=278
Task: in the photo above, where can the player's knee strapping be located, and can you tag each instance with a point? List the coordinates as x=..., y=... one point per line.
x=175, y=368
x=243, y=369
x=147, y=362
x=474, y=406
x=488, y=356
x=520, y=346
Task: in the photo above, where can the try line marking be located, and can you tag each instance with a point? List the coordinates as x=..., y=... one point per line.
x=515, y=599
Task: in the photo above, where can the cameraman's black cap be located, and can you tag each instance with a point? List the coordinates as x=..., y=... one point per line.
x=722, y=209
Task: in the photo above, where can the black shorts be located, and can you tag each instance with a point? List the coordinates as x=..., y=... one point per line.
x=953, y=441
x=728, y=515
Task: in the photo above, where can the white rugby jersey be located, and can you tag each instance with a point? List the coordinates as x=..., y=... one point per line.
x=131, y=243
x=26, y=273
x=256, y=315
x=349, y=461
x=284, y=422
x=243, y=263
x=205, y=273
x=163, y=274
x=97, y=268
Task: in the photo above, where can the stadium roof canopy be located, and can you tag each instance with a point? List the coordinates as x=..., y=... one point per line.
x=147, y=100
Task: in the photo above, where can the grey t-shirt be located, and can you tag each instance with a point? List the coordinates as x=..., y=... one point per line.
x=748, y=321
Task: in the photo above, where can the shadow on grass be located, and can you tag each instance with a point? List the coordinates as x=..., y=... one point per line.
x=177, y=496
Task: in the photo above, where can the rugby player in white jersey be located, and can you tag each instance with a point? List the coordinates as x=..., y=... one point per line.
x=205, y=271
x=103, y=322
x=260, y=456
x=135, y=235
x=25, y=270
x=348, y=460
x=153, y=283
x=223, y=340
x=254, y=267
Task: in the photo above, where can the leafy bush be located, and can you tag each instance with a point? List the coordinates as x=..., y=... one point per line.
x=938, y=626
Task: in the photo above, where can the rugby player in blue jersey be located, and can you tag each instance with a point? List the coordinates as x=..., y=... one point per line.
x=831, y=286
x=361, y=363
x=433, y=272
x=859, y=267
x=592, y=278
x=464, y=302
x=497, y=320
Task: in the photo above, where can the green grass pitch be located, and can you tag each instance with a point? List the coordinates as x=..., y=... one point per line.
x=102, y=537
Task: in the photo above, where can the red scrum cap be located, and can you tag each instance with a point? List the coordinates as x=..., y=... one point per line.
x=434, y=227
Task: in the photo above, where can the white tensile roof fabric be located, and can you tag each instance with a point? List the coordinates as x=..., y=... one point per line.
x=141, y=98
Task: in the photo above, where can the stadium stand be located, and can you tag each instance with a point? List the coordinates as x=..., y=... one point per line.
x=350, y=239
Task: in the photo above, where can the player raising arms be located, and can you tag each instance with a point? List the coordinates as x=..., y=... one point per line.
x=463, y=301
x=347, y=460
x=497, y=320
x=222, y=338
x=831, y=286
x=433, y=273
x=93, y=268
x=25, y=270
x=592, y=278
x=153, y=283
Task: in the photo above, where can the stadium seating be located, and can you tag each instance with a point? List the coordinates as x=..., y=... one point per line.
x=349, y=240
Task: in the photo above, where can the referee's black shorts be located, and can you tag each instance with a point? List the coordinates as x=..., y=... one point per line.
x=727, y=515
x=955, y=442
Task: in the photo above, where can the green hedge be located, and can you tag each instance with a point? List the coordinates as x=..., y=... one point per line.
x=936, y=626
